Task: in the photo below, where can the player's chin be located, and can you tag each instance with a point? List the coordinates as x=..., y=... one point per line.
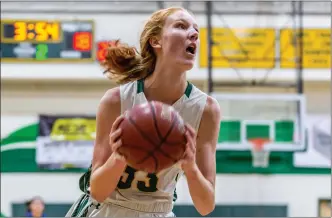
x=187, y=65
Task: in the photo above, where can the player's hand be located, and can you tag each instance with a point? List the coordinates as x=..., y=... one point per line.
x=115, y=138
x=188, y=161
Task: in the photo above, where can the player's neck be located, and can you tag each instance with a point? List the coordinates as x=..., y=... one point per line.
x=166, y=86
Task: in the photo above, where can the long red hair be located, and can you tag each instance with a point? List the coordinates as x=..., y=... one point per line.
x=123, y=63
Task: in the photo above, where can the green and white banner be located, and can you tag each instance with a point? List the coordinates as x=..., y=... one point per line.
x=65, y=141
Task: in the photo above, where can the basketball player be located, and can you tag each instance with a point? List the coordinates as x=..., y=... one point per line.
x=169, y=45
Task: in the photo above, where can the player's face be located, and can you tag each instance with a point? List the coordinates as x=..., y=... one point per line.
x=179, y=40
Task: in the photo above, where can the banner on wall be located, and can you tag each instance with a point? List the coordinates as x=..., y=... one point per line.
x=239, y=48
x=65, y=141
x=316, y=48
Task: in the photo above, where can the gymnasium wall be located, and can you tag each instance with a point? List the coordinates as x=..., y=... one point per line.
x=33, y=97
x=129, y=29
x=31, y=89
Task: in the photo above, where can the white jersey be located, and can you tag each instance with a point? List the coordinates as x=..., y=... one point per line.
x=140, y=187
x=139, y=194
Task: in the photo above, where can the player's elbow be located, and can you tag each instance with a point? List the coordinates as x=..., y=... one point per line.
x=97, y=194
x=207, y=209
x=96, y=190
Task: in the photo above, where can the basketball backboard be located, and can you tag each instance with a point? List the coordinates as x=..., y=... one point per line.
x=278, y=118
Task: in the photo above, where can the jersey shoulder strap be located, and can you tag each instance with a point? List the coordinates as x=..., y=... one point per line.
x=128, y=92
x=195, y=105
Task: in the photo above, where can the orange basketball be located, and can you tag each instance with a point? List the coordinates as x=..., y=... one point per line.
x=152, y=137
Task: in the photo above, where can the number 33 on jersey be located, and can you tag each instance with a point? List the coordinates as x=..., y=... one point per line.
x=132, y=178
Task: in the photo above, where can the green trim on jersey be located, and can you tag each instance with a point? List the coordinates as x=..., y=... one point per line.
x=140, y=87
x=81, y=209
x=175, y=195
x=84, y=182
x=187, y=92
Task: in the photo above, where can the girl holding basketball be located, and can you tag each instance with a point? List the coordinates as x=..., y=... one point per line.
x=168, y=44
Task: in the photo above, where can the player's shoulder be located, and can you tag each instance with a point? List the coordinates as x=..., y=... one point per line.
x=110, y=104
x=111, y=97
x=212, y=108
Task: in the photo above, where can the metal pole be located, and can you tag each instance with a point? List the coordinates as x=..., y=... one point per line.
x=209, y=47
x=300, y=65
x=300, y=51
x=298, y=43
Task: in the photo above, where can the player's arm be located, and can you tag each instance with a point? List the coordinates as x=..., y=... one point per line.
x=201, y=177
x=107, y=167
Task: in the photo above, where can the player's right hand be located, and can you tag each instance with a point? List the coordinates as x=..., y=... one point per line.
x=115, y=136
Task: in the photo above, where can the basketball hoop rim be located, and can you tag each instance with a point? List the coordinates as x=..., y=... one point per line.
x=258, y=144
x=260, y=154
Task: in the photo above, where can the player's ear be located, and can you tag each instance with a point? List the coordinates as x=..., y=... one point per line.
x=155, y=42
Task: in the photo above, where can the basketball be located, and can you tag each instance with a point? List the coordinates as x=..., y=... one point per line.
x=152, y=137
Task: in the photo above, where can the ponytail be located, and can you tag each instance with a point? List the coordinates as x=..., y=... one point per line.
x=123, y=63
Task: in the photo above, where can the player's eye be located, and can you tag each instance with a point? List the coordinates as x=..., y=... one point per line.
x=181, y=26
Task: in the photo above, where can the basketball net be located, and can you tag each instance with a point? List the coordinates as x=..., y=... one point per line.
x=260, y=156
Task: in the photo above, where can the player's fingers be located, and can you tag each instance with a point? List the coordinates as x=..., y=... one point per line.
x=192, y=138
x=114, y=136
x=117, y=123
x=116, y=145
x=184, y=157
x=191, y=131
x=190, y=142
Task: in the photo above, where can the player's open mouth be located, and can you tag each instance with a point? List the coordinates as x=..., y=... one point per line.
x=191, y=49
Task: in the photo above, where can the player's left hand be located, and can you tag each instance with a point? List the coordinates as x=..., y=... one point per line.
x=188, y=161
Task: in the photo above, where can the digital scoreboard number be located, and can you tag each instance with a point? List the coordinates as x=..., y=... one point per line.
x=47, y=41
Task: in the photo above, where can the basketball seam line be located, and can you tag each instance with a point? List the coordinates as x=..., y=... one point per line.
x=161, y=138
x=157, y=145
x=149, y=140
x=155, y=121
x=141, y=132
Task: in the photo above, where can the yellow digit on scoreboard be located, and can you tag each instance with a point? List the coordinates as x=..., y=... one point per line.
x=20, y=31
x=16, y=31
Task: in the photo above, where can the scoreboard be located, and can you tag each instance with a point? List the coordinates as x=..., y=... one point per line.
x=47, y=41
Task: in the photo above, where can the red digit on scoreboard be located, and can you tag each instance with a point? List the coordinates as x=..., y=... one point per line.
x=82, y=41
x=101, y=49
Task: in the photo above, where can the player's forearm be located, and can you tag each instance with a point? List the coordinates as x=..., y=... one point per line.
x=105, y=179
x=201, y=191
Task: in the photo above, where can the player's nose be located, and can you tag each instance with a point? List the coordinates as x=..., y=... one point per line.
x=193, y=35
